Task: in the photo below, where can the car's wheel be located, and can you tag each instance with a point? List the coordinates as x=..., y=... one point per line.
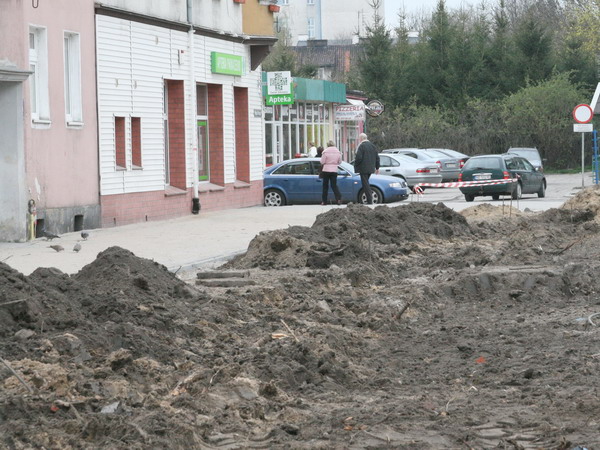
x=469, y=197
x=495, y=196
x=377, y=196
x=274, y=197
x=517, y=192
x=542, y=192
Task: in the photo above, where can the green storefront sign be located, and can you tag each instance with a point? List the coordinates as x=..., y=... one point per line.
x=281, y=99
x=227, y=64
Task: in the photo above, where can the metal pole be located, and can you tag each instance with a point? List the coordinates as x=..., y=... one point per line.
x=582, y=159
x=596, y=161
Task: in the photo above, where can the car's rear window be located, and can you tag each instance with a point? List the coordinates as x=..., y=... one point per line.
x=529, y=153
x=491, y=162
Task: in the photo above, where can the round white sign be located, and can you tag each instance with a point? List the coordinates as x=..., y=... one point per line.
x=583, y=113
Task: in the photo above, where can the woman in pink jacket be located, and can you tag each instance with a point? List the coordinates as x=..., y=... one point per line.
x=330, y=159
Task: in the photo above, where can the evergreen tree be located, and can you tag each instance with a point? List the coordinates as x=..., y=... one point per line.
x=282, y=57
x=434, y=58
x=402, y=65
x=500, y=60
x=375, y=62
x=534, y=50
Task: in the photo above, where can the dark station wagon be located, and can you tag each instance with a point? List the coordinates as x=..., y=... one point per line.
x=525, y=179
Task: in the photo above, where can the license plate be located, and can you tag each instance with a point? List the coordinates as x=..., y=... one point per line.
x=482, y=176
x=452, y=165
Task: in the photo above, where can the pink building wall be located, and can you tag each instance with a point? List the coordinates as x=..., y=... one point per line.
x=61, y=161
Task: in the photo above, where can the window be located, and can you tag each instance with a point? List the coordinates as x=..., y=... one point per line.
x=166, y=130
x=311, y=28
x=136, y=142
x=310, y=2
x=38, y=80
x=120, y=158
x=285, y=2
x=72, y=60
x=202, y=132
x=302, y=168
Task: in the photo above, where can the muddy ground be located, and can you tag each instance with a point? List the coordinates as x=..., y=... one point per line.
x=411, y=327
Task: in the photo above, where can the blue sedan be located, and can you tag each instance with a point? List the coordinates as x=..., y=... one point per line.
x=297, y=181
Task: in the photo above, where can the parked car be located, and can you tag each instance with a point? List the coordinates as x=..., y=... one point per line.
x=462, y=158
x=530, y=153
x=449, y=166
x=410, y=170
x=502, y=167
x=297, y=181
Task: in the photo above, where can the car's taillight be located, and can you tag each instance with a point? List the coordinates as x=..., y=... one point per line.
x=439, y=163
x=506, y=175
x=423, y=170
x=462, y=163
x=460, y=177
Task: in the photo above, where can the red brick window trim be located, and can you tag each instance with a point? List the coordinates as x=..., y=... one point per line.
x=136, y=142
x=120, y=143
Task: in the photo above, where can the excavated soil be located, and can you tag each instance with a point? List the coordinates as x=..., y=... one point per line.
x=412, y=327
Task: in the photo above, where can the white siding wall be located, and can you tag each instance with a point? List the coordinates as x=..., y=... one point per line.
x=133, y=61
x=175, y=10
x=217, y=15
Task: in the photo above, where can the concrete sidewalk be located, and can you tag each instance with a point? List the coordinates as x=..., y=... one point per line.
x=210, y=238
x=180, y=244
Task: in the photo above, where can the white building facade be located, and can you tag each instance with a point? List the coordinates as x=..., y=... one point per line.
x=179, y=109
x=333, y=20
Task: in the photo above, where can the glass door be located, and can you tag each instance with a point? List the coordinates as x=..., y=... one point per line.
x=278, y=143
x=203, y=164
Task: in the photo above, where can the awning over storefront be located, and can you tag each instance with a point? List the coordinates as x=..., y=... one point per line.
x=356, y=102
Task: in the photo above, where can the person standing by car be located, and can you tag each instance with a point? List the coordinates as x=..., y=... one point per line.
x=312, y=150
x=366, y=163
x=330, y=159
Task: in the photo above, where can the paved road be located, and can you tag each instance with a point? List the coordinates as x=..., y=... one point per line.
x=210, y=237
x=559, y=189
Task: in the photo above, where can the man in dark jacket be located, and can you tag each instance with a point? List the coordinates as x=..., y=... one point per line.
x=366, y=163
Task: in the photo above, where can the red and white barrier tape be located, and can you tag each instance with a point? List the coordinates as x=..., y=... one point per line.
x=418, y=190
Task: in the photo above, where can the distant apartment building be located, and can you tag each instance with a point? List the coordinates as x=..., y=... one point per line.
x=332, y=20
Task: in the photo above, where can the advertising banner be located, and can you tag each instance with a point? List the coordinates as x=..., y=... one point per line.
x=349, y=113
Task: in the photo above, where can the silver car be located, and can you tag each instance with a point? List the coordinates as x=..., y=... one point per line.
x=462, y=158
x=449, y=167
x=407, y=168
x=531, y=154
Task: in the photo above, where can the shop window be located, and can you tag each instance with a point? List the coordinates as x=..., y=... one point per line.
x=136, y=142
x=72, y=62
x=38, y=80
x=120, y=143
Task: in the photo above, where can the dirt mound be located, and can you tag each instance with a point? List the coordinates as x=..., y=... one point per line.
x=404, y=327
x=352, y=236
x=485, y=211
x=586, y=199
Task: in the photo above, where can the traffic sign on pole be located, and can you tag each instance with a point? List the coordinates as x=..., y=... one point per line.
x=583, y=113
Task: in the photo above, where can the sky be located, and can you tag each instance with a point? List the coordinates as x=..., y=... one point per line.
x=416, y=7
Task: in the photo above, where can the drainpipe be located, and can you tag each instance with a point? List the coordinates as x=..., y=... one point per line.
x=194, y=137
x=31, y=219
